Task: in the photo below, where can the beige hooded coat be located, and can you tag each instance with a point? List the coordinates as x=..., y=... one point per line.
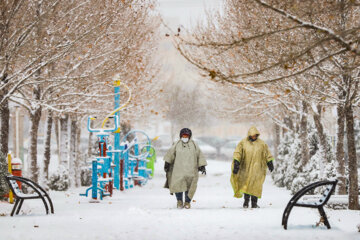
x=185, y=159
x=253, y=158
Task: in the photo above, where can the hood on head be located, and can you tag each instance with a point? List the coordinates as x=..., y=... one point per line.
x=253, y=131
x=185, y=131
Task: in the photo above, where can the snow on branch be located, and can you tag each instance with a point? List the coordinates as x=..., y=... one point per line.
x=349, y=45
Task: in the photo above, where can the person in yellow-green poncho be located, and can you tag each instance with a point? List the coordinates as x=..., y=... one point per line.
x=251, y=158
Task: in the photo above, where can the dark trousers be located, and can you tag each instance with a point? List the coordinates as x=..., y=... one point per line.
x=247, y=198
x=179, y=196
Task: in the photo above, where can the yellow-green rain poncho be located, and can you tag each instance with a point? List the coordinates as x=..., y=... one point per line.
x=253, y=158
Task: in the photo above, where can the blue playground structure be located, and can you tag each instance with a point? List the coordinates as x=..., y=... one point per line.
x=122, y=165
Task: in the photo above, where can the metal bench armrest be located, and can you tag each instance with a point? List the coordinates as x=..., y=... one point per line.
x=24, y=181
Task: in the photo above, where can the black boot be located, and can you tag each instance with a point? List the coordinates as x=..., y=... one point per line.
x=254, y=202
x=246, y=200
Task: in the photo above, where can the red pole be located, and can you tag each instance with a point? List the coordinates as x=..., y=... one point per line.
x=110, y=186
x=136, y=182
x=121, y=174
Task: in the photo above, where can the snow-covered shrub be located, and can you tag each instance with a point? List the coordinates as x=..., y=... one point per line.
x=312, y=169
x=310, y=173
x=279, y=173
x=288, y=161
x=59, y=181
x=85, y=176
x=316, y=169
x=293, y=167
x=4, y=188
x=289, y=171
x=330, y=170
x=313, y=139
x=282, y=160
x=85, y=171
x=298, y=183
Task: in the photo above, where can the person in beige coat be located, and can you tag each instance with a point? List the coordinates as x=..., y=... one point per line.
x=251, y=158
x=183, y=161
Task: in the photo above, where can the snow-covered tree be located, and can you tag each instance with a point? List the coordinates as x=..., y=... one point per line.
x=283, y=160
x=4, y=188
x=184, y=107
x=280, y=48
x=68, y=56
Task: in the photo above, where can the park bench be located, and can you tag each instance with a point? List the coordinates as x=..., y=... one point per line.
x=20, y=196
x=319, y=202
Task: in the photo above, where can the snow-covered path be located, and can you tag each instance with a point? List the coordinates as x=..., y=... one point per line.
x=149, y=213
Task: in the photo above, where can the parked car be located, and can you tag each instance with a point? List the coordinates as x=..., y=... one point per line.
x=214, y=141
x=209, y=151
x=163, y=144
x=228, y=149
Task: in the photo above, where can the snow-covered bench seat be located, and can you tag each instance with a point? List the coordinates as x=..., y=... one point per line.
x=20, y=196
x=319, y=202
x=336, y=202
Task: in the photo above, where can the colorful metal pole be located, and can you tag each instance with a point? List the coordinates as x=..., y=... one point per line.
x=127, y=166
x=151, y=159
x=140, y=162
x=117, y=137
x=110, y=170
x=94, y=179
x=11, y=195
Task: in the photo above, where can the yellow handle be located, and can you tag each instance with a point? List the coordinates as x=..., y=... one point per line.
x=121, y=107
x=11, y=196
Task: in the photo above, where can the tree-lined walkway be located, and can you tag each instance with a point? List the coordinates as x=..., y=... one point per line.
x=150, y=213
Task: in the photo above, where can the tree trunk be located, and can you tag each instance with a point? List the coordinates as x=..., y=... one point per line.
x=47, y=152
x=64, y=141
x=4, y=147
x=72, y=149
x=324, y=147
x=90, y=145
x=340, y=154
x=57, y=135
x=322, y=136
x=305, y=153
x=297, y=122
x=35, y=121
x=353, y=172
x=289, y=123
x=277, y=139
x=78, y=157
x=4, y=133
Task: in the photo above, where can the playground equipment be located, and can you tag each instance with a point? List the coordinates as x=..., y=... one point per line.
x=123, y=164
x=102, y=166
x=136, y=155
x=152, y=160
x=15, y=169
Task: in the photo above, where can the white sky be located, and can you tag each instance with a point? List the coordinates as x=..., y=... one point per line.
x=185, y=12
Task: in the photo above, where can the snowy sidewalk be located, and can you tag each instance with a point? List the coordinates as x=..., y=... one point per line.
x=150, y=213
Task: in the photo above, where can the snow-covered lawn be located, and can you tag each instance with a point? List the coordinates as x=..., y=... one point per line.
x=150, y=213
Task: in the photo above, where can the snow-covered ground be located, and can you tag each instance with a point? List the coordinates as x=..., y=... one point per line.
x=150, y=212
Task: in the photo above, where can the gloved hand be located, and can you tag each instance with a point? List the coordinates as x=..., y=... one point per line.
x=270, y=166
x=202, y=170
x=166, y=167
x=236, y=166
